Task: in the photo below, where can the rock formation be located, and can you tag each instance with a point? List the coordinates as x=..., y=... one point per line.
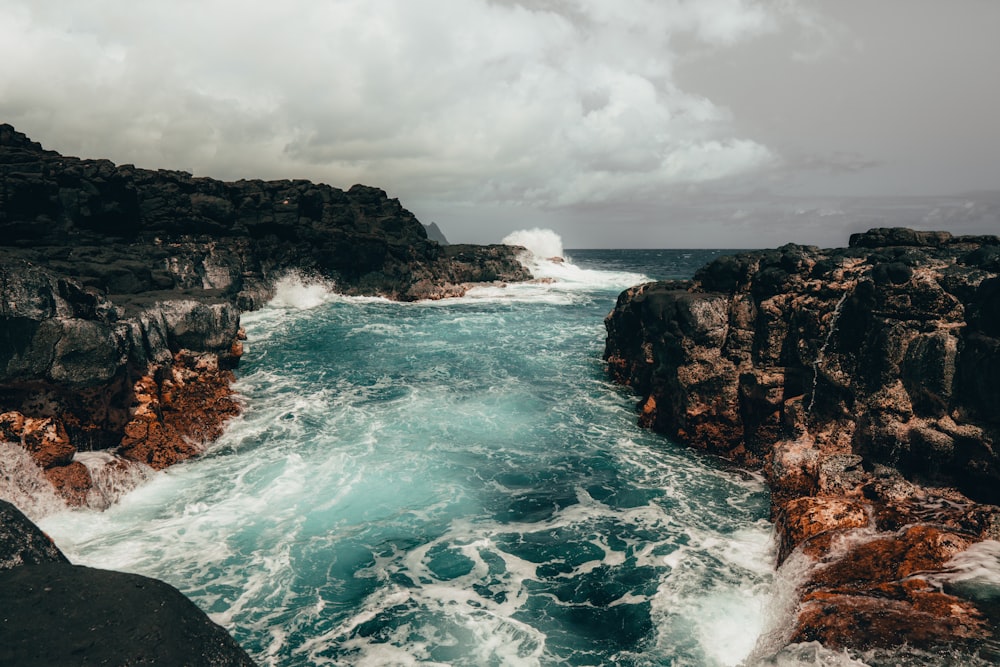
x=122, y=289
x=119, y=330
x=95, y=616
x=865, y=383
x=434, y=233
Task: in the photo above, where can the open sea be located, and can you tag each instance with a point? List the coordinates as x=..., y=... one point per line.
x=457, y=483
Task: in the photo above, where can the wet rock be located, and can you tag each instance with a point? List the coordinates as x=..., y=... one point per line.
x=178, y=411
x=849, y=621
x=105, y=617
x=122, y=290
x=864, y=382
x=22, y=542
x=802, y=519
x=72, y=482
x=45, y=439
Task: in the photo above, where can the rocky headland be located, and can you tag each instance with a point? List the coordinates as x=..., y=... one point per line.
x=864, y=382
x=120, y=317
x=123, y=287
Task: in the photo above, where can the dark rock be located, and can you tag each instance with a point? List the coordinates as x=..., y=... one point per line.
x=101, y=617
x=119, y=327
x=898, y=236
x=110, y=272
x=125, y=230
x=839, y=372
x=435, y=234
x=22, y=543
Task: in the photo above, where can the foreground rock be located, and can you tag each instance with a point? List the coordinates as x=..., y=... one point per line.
x=122, y=290
x=95, y=617
x=864, y=382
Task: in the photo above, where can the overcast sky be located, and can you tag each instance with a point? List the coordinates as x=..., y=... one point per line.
x=617, y=123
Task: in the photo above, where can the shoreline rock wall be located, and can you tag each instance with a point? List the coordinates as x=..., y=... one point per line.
x=119, y=332
x=122, y=290
x=865, y=383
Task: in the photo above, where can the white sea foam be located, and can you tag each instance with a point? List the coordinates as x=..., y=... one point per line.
x=24, y=485
x=546, y=259
x=427, y=484
x=812, y=654
x=112, y=477
x=542, y=243
x=776, y=619
x=979, y=564
x=296, y=292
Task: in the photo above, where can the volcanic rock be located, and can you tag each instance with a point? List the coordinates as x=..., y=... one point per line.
x=864, y=382
x=95, y=616
x=123, y=287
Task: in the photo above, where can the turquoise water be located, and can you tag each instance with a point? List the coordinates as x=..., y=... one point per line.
x=451, y=483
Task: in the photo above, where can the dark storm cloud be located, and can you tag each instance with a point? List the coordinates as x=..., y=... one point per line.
x=481, y=114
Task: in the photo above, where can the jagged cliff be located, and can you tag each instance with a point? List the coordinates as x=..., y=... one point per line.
x=122, y=289
x=865, y=383
x=119, y=331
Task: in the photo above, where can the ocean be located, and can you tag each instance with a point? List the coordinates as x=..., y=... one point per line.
x=457, y=483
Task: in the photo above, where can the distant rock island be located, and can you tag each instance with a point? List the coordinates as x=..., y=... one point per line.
x=864, y=382
x=120, y=318
x=434, y=233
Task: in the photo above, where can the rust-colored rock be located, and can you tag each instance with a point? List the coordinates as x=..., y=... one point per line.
x=863, y=621
x=48, y=442
x=794, y=470
x=179, y=410
x=72, y=482
x=802, y=519
x=865, y=383
x=45, y=439
x=890, y=558
x=11, y=426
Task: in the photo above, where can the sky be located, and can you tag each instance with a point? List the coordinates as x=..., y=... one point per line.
x=615, y=123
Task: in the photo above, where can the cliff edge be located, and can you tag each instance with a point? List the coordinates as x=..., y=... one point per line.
x=122, y=290
x=865, y=383
x=119, y=332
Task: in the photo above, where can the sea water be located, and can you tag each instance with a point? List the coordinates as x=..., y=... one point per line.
x=455, y=483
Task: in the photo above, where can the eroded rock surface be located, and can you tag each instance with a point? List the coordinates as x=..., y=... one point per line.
x=122, y=290
x=865, y=383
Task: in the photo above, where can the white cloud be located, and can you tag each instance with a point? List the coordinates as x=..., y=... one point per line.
x=548, y=103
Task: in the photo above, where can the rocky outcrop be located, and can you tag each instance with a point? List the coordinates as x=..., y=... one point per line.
x=122, y=289
x=95, y=616
x=119, y=331
x=864, y=382
x=434, y=233
x=22, y=543
x=126, y=231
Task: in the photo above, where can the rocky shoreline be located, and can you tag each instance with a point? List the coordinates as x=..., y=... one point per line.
x=123, y=289
x=864, y=382
x=120, y=318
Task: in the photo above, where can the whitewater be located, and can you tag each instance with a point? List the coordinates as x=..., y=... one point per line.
x=456, y=483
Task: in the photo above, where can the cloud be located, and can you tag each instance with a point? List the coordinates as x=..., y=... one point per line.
x=548, y=103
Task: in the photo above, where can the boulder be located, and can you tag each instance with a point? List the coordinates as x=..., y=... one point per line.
x=22, y=543
x=104, y=617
